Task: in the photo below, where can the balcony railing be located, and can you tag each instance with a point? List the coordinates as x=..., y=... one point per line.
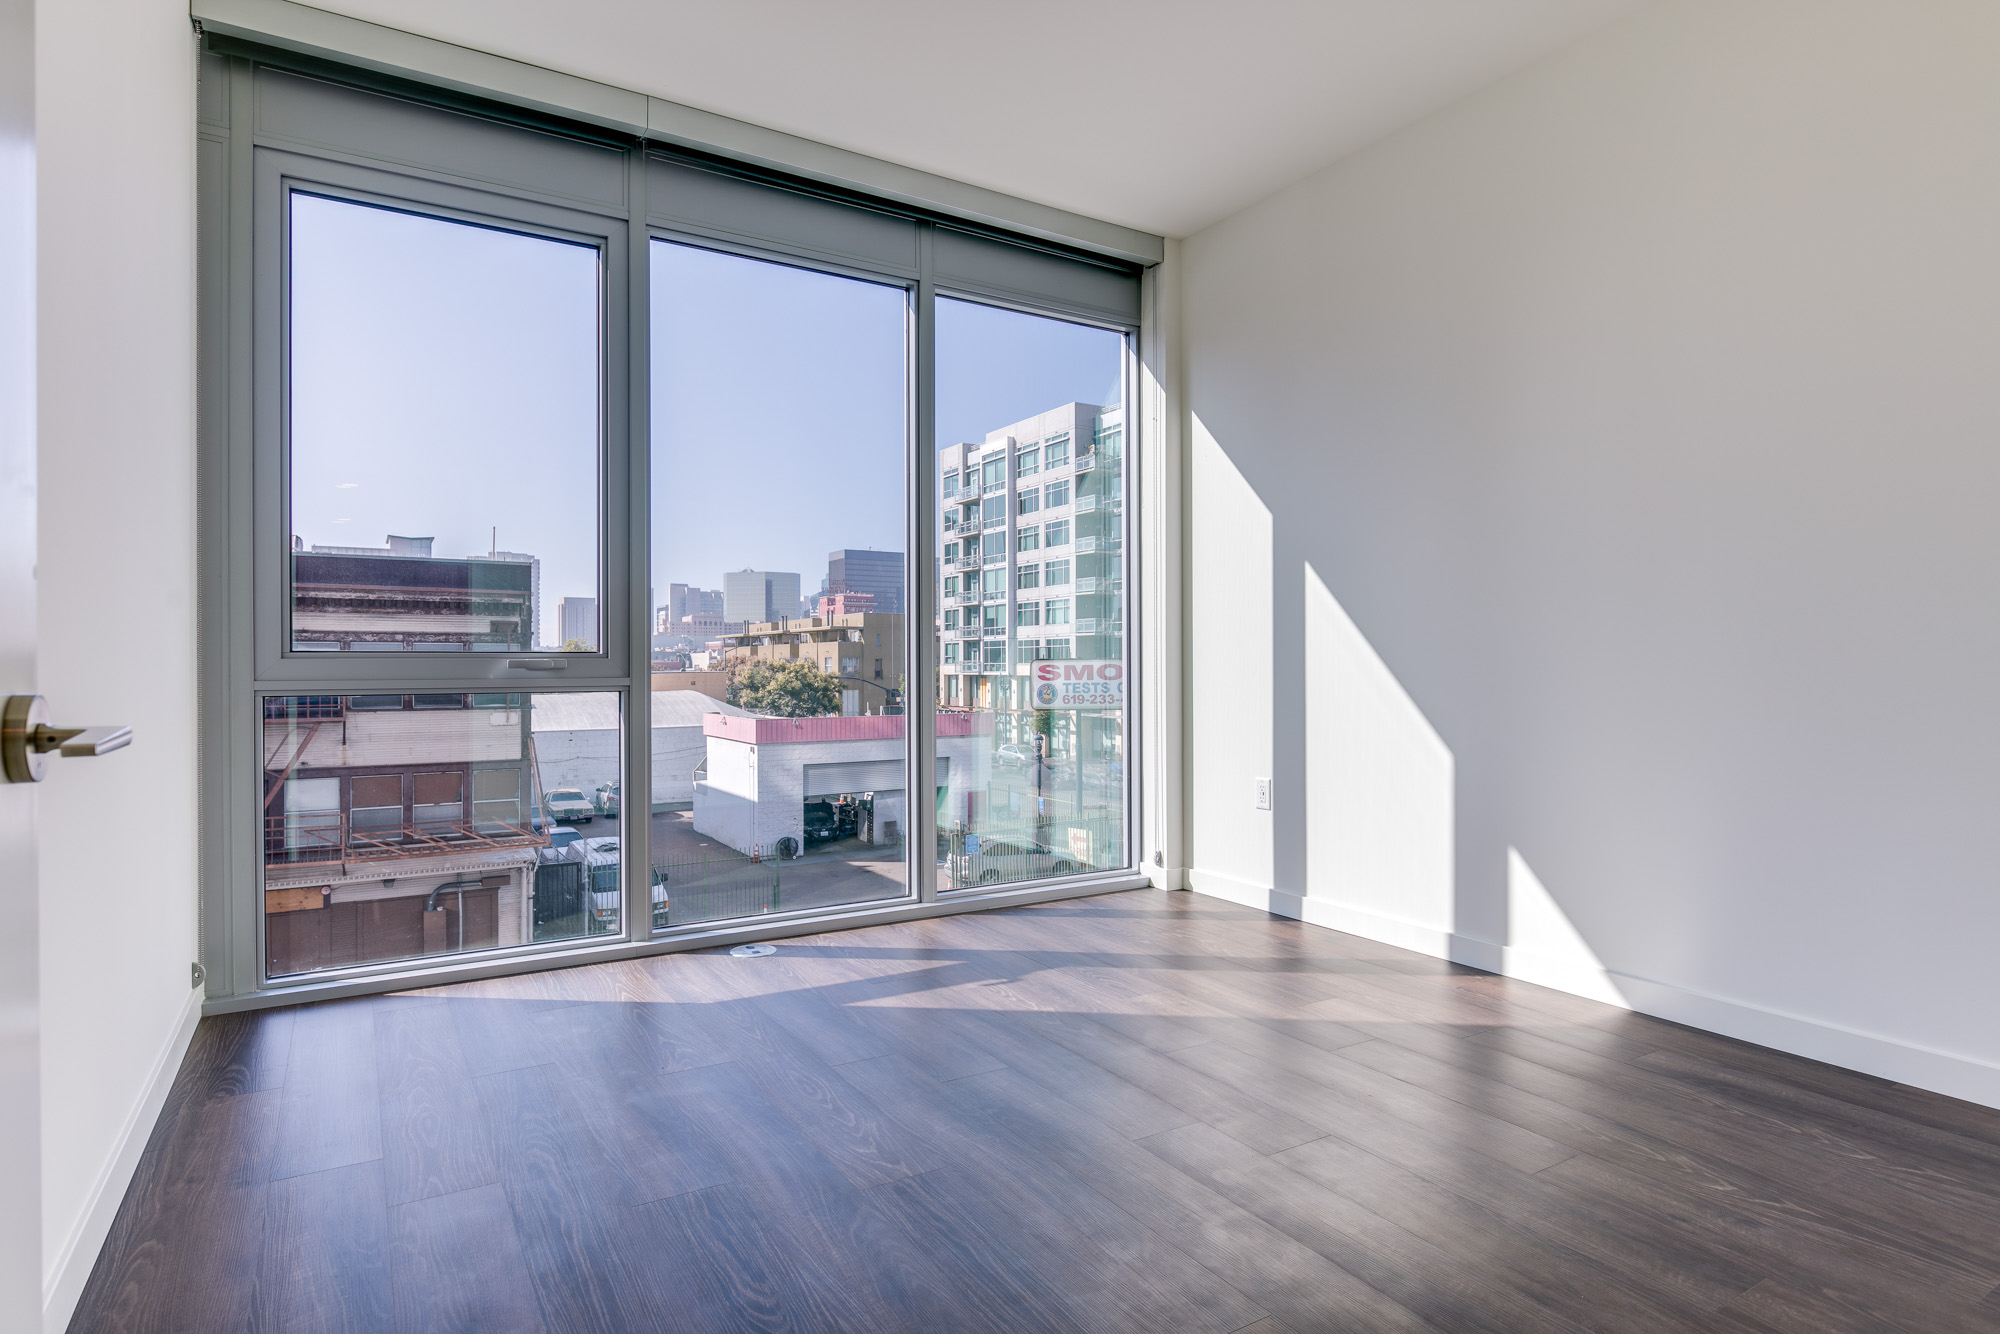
x=332, y=837
x=316, y=708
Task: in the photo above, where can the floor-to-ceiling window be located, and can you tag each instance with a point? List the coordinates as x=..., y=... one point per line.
x=603, y=546
x=1032, y=638
x=780, y=450
x=441, y=449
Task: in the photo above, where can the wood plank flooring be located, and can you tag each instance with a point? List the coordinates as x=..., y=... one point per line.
x=1144, y=1111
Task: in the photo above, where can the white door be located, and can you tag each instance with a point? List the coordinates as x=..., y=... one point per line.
x=20, y=1058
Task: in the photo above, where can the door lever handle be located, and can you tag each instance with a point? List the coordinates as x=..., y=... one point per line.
x=80, y=741
x=26, y=739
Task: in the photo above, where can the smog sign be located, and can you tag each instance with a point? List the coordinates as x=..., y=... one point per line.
x=1077, y=685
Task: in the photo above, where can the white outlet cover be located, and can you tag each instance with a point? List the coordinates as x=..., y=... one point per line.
x=1263, y=794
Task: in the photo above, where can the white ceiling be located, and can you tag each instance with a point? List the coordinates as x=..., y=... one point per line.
x=1165, y=116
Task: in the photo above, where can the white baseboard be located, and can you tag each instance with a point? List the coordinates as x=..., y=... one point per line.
x=1578, y=977
x=1953, y=1075
x=1401, y=932
x=62, y=1284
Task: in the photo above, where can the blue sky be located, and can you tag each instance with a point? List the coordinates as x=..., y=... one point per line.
x=779, y=407
x=444, y=383
x=996, y=367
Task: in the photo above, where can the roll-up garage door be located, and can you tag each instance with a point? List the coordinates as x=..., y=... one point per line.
x=826, y=780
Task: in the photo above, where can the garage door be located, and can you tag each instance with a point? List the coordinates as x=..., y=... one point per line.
x=826, y=780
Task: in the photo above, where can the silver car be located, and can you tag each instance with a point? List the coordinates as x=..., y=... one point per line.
x=602, y=861
x=568, y=805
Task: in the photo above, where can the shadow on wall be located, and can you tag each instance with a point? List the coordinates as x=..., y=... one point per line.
x=1363, y=834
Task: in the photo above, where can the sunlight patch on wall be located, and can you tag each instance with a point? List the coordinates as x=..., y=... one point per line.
x=1379, y=834
x=1544, y=946
x=1230, y=659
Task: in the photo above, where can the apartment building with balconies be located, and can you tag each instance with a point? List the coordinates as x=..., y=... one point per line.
x=1031, y=527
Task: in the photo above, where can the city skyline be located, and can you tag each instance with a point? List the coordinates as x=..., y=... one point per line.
x=780, y=420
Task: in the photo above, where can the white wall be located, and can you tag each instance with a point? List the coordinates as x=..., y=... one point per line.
x=1640, y=417
x=115, y=108
x=20, y=994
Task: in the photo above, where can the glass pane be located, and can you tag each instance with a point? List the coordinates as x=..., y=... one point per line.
x=780, y=428
x=396, y=831
x=444, y=398
x=1031, y=596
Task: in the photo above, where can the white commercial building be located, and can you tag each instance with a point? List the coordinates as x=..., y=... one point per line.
x=577, y=740
x=760, y=772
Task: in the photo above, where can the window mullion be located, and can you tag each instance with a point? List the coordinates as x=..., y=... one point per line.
x=920, y=700
x=636, y=835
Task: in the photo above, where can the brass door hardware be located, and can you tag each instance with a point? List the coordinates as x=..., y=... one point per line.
x=26, y=740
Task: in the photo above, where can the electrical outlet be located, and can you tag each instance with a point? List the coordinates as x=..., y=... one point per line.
x=1263, y=794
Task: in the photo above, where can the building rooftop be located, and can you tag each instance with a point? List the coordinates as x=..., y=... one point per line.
x=598, y=712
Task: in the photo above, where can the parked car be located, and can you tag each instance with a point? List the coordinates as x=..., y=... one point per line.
x=1013, y=756
x=822, y=822
x=568, y=805
x=561, y=841
x=605, y=800
x=601, y=856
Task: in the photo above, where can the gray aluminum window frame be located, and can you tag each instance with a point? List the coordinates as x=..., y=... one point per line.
x=279, y=176
x=464, y=159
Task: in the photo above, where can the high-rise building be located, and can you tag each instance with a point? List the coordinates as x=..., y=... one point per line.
x=577, y=619
x=685, y=602
x=1032, y=530
x=759, y=595
x=876, y=573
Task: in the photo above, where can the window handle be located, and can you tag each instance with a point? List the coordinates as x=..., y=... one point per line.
x=26, y=740
x=538, y=664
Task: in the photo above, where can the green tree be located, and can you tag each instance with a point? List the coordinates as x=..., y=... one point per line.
x=576, y=646
x=785, y=690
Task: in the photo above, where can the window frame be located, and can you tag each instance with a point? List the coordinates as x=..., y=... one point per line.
x=281, y=174
x=247, y=173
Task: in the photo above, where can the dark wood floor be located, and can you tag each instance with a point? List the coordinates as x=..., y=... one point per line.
x=1143, y=1112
